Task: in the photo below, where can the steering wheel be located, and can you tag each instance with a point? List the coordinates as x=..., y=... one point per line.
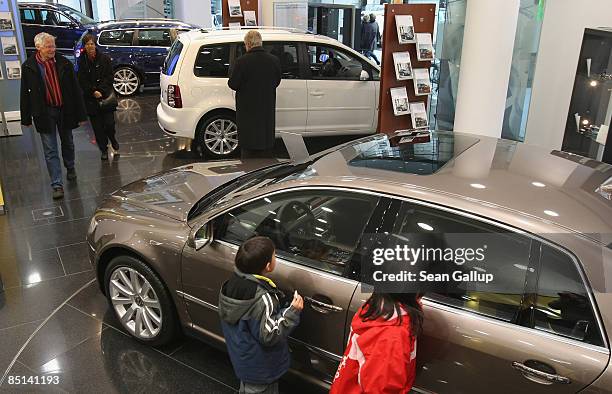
x=297, y=221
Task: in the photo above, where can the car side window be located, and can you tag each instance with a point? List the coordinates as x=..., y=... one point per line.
x=212, y=61
x=27, y=15
x=116, y=37
x=318, y=229
x=287, y=54
x=563, y=306
x=506, y=256
x=328, y=62
x=63, y=20
x=49, y=18
x=154, y=38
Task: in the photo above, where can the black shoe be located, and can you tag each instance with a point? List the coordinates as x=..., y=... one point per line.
x=115, y=144
x=104, y=156
x=58, y=192
x=71, y=174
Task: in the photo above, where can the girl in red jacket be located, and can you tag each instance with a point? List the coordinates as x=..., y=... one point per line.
x=380, y=356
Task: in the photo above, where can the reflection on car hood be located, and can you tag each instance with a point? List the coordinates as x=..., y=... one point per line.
x=174, y=192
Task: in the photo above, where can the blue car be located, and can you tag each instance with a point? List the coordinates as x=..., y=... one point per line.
x=65, y=23
x=137, y=49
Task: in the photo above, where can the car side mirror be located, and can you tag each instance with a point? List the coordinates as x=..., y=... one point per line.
x=364, y=76
x=201, y=237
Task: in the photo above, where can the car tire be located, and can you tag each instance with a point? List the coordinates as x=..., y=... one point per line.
x=147, y=314
x=126, y=81
x=217, y=137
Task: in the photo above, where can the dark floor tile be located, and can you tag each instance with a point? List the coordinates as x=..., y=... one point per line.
x=208, y=360
x=19, y=374
x=25, y=304
x=30, y=267
x=65, y=330
x=75, y=258
x=105, y=186
x=39, y=193
x=11, y=340
x=117, y=363
x=56, y=234
x=92, y=302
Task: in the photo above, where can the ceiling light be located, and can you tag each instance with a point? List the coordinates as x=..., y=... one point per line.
x=551, y=213
x=425, y=226
x=478, y=186
x=538, y=184
x=593, y=83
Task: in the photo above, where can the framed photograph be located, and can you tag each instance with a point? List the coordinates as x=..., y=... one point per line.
x=405, y=29
x=13, y=69
x=6, y=22
x=1, y=74
x=403, y=66
x=250, y=19
x=399, y=98
x=422, y=83
x=234, y=25
x=425, y=49
x=419, y=115
x=9, y=45
x=234, y=8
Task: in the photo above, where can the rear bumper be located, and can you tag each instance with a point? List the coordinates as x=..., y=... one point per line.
x=177, y=122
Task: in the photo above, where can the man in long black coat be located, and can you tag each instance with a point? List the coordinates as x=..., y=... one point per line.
x=255, y=77
x=52, y=98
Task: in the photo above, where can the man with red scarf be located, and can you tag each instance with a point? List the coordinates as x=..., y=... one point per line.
x=50, y=95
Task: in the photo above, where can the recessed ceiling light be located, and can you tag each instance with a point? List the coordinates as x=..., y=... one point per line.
x=425, y=226
x=538, y=184
x=551, y=213
x=478, y=186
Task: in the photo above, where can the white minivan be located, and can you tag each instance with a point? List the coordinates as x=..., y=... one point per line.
x=326, y=88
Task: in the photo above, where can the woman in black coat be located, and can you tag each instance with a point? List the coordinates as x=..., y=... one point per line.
x=96, y=79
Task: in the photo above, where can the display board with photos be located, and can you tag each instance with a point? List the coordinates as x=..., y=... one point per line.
x=405, y=83
x=240, y=13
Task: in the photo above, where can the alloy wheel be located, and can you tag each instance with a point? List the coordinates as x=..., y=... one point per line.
x=126, y=81
x=135, y=302
x=221, y=136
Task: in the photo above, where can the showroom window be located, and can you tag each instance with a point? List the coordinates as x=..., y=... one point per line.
x=310, y=228
x=506, y=256
x=327, y=62
x=563, y=306
x=116, y=37
x=212, y=61
x=154, y=38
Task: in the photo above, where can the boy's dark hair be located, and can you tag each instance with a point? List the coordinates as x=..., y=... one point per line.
x=88, y=37
x=254, y=254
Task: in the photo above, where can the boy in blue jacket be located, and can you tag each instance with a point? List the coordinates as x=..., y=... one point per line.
x=255, y=327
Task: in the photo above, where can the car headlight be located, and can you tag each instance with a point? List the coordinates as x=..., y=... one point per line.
x=92, y=226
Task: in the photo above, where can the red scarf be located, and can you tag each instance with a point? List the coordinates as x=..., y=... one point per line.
x=54, y=93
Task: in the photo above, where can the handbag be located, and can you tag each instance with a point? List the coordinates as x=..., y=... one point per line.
x=109, y=103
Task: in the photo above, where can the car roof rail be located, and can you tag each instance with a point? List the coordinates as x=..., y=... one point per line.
x=277, y=28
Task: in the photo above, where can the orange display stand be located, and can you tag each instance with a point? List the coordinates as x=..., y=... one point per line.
x=245, y=5
x=423, y=17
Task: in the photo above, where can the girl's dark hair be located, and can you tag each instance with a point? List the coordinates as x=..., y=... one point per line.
x=254, y=254
x=386, y=304
x=88, y=37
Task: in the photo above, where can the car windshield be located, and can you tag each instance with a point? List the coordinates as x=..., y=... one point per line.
x=84, y=19
x=250, y=180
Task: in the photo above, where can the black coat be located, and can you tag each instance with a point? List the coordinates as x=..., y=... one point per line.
x=95, y=76
x=33, y=92
x=254, y=77
x=369, y=35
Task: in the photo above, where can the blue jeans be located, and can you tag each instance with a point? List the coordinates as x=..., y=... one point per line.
x=49, y=143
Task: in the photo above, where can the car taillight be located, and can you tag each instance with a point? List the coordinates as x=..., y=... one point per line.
x=174, y=96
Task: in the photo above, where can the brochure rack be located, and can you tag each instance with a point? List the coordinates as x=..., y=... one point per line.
x=423, y=19
x=245, y=5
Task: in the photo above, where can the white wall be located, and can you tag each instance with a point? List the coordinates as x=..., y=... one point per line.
x=562, y=30
x=267, y=12
x=193, y=11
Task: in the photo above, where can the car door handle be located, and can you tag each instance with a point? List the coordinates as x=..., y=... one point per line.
x=317, y=93
x=322, y=307
x=542, y=377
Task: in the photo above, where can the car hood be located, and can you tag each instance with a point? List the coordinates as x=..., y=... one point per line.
x=172, y=193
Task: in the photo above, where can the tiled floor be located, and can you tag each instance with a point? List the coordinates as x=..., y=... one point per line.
x=53, y=319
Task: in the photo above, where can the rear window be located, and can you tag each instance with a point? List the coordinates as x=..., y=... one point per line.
x=154, y=38
x=116, y=37
x=173, y=56
x=212, y=61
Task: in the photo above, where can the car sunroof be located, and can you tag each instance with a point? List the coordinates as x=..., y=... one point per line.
x=420, y=154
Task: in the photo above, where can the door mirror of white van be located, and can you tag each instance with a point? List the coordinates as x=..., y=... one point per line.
x=364, y=76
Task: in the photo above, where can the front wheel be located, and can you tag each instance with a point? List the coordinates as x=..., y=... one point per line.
x=140, y=301
x=217, y=137
x=126, y=81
